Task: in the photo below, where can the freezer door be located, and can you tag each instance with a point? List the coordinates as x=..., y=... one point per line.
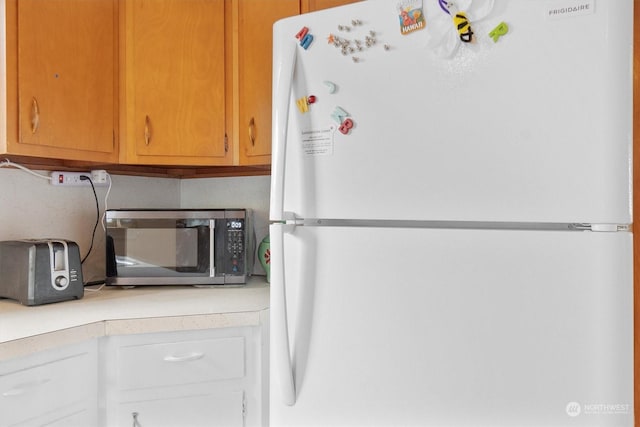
x=450, y=328
x=533, y=127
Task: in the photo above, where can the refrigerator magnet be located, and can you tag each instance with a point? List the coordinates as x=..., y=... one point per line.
x=346, y=126
x=305, y=37
x=454, y=27
x=331, y=87
x=344, y=120
x=499, y=31
x=339, y=115
x=303, y=104
x=411, y=16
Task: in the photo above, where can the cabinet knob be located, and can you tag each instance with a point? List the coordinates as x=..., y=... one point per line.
x=35, y=115
x=252, y=125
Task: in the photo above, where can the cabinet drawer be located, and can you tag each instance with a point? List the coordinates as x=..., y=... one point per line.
x=176, y=363
x=37, y=390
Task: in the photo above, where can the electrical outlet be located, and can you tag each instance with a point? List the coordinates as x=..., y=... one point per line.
x=99, y=176
x=72, y=179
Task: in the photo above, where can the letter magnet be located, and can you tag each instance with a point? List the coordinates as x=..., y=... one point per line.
x=339, y=115
x=303, y=32
x=343, y=119
x=499, y=31
x=305, y=37
x=346, y=126
x=303, y=104
x=330, y=86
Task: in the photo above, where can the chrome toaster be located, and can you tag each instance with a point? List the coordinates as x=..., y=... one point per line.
x=36, y=272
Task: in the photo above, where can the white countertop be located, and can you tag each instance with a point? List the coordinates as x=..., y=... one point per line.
x=114, y=310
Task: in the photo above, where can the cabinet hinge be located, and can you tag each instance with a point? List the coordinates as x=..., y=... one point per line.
x=226, y=143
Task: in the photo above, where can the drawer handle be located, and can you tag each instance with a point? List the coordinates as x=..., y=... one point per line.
x=24, y=388
x=196, y=355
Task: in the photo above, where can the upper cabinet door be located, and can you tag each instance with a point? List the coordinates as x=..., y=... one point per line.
x=66, y=74
x=255, y=21
x=174, y=56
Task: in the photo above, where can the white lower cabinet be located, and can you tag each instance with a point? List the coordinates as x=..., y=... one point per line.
x=211, y=377
x=190, y=378
x=51, y=388
x=209, y=409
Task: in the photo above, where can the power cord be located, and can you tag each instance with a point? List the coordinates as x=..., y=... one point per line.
x=93, y=235
x=6, y=163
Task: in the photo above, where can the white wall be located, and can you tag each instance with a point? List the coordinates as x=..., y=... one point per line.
x=32, y=208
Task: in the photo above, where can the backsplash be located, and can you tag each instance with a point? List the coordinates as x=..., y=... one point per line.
x=243, y=192
x=30, y=207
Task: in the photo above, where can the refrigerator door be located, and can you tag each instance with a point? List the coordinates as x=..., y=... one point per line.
x=450, y=327
x=533, y=127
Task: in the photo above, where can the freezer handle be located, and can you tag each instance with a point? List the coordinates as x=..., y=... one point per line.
x=283, y=370
x=284, y=60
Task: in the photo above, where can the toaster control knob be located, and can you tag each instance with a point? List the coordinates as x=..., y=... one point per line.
x=61, y=282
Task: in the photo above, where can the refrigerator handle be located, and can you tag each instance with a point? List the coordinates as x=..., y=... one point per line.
x=280, y=349
x=284, y=60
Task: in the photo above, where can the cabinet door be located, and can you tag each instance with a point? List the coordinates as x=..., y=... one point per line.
x=209, y=409
x=51, y=386
x=186, y=378
x=175, y=82
x=66, y=53
x=313, y=5
x=255, y=20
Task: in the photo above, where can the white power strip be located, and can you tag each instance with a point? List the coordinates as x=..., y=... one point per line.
x=73, y=179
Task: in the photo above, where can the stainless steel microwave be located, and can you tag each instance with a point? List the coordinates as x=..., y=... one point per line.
x=178, y=247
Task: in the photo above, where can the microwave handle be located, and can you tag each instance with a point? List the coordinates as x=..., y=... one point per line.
x=212, y=248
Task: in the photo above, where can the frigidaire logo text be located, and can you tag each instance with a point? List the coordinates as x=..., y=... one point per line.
x=561, y=11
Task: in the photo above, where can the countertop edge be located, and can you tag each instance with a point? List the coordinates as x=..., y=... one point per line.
x=32, y=344
x=113, y=312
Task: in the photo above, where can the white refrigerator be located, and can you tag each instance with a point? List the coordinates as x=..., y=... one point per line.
x=451, y=210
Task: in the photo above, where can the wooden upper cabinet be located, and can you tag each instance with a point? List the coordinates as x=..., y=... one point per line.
x=174, y=98
x=64, y=62
x=313, y=5
x=142, y=82
x=255, y=47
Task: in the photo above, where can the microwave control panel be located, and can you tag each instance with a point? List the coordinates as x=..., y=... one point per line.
x=235, y=247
